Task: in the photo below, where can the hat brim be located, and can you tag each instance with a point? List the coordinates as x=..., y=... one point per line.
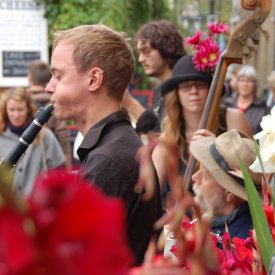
x=200, y=149
x=173, y=82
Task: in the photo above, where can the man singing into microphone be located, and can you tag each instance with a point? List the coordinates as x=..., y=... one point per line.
x=92, y=66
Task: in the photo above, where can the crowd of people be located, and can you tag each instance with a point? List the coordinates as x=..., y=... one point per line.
x=86, y=81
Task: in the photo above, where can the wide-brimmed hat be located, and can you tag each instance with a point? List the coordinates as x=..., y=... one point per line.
x=220, y=157
x=184, y=70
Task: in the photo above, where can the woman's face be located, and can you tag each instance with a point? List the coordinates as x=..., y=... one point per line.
x=193, y=95
x=17, y=112
x=245, y=86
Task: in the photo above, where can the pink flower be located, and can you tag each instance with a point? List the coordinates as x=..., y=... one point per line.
x=194, y=40
x=217, y=28
x=207, y=56
x=206, y=50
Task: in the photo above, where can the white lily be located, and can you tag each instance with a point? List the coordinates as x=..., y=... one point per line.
x=267, y=145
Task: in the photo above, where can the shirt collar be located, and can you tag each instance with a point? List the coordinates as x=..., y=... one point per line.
x=94, y=134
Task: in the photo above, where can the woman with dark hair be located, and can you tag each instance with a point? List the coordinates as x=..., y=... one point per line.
x=17, y=112
x=185, y=96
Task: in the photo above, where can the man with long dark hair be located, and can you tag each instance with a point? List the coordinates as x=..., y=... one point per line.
x=159, y=46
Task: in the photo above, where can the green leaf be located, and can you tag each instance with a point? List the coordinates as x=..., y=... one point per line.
x=259, y=219
x=7, y=194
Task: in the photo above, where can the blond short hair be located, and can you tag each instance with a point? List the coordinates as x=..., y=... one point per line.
x=100, y=46
x=18, y=94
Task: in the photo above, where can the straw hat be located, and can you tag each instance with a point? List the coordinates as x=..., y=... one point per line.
x=220, y=157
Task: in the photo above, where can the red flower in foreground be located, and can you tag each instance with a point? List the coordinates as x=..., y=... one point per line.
x=17, y=247
x=269, y=213
x=77, y=230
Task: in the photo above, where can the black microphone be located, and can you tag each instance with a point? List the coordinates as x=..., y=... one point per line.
x=28, y=136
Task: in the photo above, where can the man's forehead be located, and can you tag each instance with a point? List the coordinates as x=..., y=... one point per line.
x=62, y=53
x=143, y=44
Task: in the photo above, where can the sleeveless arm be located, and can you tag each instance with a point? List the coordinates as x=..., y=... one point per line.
x=158, y=157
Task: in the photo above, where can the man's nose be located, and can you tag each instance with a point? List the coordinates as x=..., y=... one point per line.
x=49, y=87
x=193, y=88
x=196, y=177
x=141, y=58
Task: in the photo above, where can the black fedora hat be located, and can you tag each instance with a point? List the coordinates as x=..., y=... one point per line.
x=184, y=70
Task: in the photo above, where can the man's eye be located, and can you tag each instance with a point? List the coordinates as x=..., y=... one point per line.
x=57, y=77
x=147, y=51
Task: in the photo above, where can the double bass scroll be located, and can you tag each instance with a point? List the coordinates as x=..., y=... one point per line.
x=232, y=54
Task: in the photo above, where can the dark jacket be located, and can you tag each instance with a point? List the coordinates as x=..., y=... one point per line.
x=150, y=120
x=108, y=156
x=253, y=113
x=239, y=223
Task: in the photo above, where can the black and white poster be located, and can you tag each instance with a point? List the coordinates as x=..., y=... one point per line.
x=23, y=38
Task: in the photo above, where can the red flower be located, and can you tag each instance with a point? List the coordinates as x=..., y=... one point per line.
x=194, y=40
x=206, y=50
x=207, y=55
x=82, y=231
x=243, y=252
x=17, y=247
x=269, y=213
x=77, y=230
x=217, y=28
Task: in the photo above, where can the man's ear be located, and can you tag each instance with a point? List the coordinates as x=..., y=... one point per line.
x=229, y=196
x=95, y=79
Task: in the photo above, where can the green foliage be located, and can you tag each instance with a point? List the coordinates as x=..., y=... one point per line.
x=259, y=220
x=121, y=15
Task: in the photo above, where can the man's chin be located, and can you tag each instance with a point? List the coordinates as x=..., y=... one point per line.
x=60, y=115
x=149, y=73
x=198, y=197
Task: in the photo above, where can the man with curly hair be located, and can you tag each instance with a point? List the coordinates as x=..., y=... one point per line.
x=159, y=46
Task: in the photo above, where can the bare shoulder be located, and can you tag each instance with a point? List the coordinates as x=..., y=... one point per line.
x=236, y=119
x=160, y=149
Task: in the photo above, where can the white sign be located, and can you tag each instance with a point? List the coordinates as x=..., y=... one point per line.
x=23, y=38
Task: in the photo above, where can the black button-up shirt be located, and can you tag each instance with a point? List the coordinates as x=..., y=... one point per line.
x=108, y=156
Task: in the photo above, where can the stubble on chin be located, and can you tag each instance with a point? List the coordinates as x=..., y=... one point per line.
x=60, y=116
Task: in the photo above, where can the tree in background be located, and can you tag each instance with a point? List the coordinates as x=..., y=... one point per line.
x=125, y=15
x=121, y=15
